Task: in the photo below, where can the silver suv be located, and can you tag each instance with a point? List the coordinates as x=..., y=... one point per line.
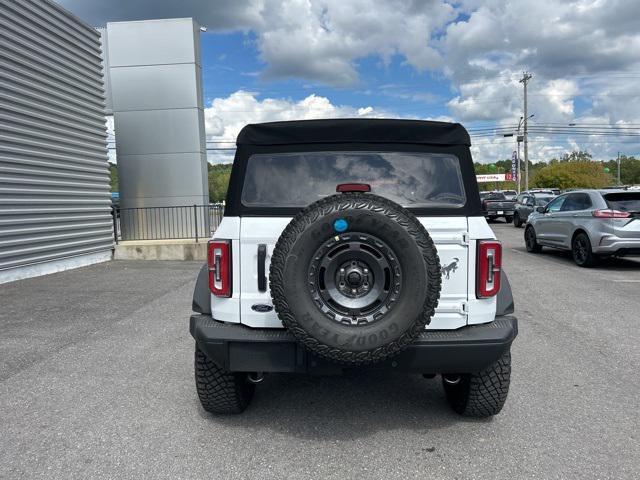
x=590, y=223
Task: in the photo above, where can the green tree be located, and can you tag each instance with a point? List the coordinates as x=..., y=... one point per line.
x=218, y=181
x=113, y=177
x=572, y=174
x=577, y=156
x=629, y=169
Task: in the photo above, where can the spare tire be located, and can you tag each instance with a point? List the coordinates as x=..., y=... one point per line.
x=355, y=277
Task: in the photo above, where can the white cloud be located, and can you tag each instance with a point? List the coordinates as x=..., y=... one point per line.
x=225, y=117
x=318, y=40
x=584, y=54
x=321, y=39
x=578, y=52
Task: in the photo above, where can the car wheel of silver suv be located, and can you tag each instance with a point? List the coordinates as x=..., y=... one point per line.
x=582, y=252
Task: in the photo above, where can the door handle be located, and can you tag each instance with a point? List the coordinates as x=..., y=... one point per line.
x=262, y=260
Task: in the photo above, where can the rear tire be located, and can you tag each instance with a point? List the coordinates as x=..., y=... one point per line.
x=516, y=221
x=509, y=219
x=481, y=394
x=582, y=252
x=531, y=241
x=219, y=390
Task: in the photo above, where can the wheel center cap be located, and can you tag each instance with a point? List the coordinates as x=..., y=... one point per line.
x=354, y=278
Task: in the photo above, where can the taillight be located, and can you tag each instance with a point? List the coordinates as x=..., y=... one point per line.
x=353, y=187
x=488, y=267
x=219, y=261
x=610, y=213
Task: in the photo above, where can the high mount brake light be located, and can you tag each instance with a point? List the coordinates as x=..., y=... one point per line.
x=353, y=187
x=488, y=268
x=219, y=262
x=610, y=213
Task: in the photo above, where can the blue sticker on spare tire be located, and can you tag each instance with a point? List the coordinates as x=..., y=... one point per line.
x=340, y=225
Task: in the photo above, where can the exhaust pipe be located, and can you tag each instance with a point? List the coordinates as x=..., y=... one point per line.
x=255, y=377
x=451, y=379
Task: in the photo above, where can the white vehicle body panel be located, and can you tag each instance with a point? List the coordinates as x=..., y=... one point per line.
x=455, y=239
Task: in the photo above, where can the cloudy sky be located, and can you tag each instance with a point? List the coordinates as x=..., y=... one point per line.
x=461, y=60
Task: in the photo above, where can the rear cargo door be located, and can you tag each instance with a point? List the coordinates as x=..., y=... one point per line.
x=628, y=202
x=289, y=181
x=451, y=237
x=258, y=237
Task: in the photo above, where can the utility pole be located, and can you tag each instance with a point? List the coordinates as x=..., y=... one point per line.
x=619, y=183
x=526, y=76
x=518, y=140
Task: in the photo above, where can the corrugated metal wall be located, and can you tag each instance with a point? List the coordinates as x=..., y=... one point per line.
x=54, y=178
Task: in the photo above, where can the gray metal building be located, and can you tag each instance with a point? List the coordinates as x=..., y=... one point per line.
x=54, y=180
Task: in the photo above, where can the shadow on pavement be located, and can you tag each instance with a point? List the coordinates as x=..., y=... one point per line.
x=347, y=407
x=608, y=264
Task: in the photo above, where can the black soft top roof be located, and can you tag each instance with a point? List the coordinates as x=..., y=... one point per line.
x=356, y=130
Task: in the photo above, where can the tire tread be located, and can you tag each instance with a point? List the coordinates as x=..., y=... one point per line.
x=341, y=202
x=482, y=394
x=219, y=390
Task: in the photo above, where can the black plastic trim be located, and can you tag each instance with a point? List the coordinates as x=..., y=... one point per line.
x=262, y=260
x=201, y=294
x=341, y=130
x=243, y=349
x=504, y=299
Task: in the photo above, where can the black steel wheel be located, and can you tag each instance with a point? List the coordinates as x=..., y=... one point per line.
x=581, y=251
x=355, y=277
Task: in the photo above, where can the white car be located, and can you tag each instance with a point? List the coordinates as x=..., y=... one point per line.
x=353, y=244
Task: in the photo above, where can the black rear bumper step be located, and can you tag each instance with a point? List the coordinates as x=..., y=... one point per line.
x=242, y=349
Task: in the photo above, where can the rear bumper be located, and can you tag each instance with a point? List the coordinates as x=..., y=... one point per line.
x=494, y=213
x=242, y=349
x=612, y=245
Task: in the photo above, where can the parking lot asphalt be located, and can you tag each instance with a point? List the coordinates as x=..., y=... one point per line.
x=96, y=381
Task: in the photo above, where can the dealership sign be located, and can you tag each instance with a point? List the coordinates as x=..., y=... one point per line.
x=495, y=177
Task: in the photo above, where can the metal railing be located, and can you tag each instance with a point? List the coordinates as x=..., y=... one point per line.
x=166, y=223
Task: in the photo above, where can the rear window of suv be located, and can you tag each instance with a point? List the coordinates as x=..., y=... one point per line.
x=412, y=179
x=623, y=201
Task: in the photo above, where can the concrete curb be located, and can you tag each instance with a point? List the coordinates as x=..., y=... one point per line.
x=161, y=250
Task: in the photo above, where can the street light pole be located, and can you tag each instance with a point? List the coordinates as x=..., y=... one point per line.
x=524, y=80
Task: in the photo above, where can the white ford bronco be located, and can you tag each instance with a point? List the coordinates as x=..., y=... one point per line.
x=353, y=244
